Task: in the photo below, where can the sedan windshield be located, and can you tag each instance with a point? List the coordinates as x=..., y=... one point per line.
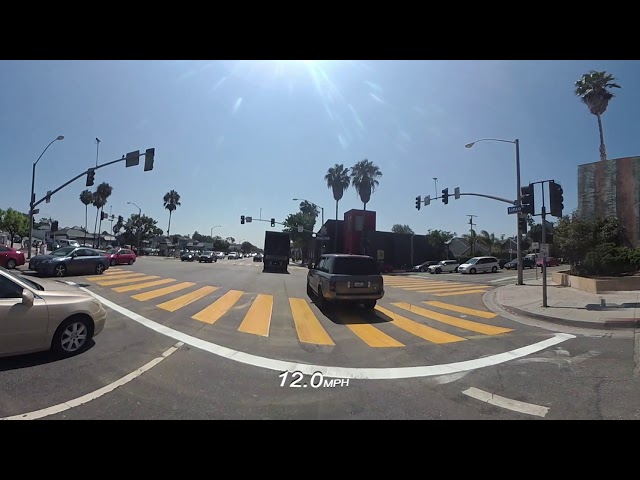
x=63, y=252
x=113, y=251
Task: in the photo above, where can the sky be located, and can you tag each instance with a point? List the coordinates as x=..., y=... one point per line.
x=247, y=137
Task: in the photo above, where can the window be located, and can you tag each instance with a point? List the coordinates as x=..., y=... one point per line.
x=9, y=289
x=354, y=266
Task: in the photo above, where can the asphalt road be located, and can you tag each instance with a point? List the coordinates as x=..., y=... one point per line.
x=211, y=341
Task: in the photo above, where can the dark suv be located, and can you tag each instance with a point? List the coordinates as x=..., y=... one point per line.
x=348, y=278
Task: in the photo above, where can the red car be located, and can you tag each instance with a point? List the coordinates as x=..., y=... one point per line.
x=10, y=257
x=551, y=262
x=119, y=256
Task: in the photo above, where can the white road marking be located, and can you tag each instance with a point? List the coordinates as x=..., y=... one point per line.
x=503, y=279
x=336, y=372
x=45, y=412
x=514, y=405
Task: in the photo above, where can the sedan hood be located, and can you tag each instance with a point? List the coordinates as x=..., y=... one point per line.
x=40, y=258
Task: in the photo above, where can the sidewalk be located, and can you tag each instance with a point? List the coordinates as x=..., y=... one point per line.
x=567, y=306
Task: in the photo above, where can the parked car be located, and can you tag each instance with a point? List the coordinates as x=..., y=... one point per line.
x=70, y=261
x=207, y=257
x=257, y=258
x=119, y=256
x=526, y=263
x=480, y=264
x=424, y=266
x=10, y=257
x=445, y=266
x=502, y=262
x=551, y=262
x=345, y=278
x=46, y=315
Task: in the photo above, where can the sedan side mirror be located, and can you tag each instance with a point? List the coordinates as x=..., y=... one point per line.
x=27, y=297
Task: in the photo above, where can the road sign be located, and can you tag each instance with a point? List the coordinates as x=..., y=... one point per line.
x=516, y=209
x=248, y=219
x=300, y=229
x=535, y=245
x=544, y=250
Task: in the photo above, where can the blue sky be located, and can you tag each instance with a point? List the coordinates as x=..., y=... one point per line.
x=234, y=137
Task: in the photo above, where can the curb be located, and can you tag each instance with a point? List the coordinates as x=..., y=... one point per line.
x=612, y=323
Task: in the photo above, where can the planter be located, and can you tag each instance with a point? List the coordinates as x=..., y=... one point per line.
x=596, y=285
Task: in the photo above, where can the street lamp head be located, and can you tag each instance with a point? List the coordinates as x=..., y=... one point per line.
x=295, y=199
x=469, y=145
x=60, y=137
x=128, y=203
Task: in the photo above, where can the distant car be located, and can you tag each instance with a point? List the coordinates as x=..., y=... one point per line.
x=70, y=261
x=345, y=278
x=480, y=264
x=10, y=257
x=207, y=257
x=257, y=258
x=551, y=262
x=445, y=266
x=46, y=315
x=526, y=263
x=188, y=256
x=232, y=256
x=424, y=266
x=120, y=256
x=502, y=262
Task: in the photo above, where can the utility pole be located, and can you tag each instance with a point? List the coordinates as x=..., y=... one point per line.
x=471, y=225
x=544, y=256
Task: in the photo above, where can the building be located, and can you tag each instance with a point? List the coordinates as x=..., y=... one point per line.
x=611, y=188
x=461, y=247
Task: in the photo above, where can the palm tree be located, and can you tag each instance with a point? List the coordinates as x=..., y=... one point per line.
x=86, y=197
x=308, y=208
x=338, y=181
x=364, y=177
x=473, y=239
x=100, y=197
x=593, y=90
x=490, y=240
x=171, y=202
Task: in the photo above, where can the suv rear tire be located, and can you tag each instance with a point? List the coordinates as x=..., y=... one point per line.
x=370, y=304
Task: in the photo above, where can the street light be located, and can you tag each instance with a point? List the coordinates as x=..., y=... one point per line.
x=32, y=199
x=212, y=230
x=139, y=218
x=516, y=142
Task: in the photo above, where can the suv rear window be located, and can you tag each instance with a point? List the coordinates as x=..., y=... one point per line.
x=354, y=266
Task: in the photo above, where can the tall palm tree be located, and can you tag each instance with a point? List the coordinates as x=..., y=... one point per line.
x=171, y=202
x=364, y=177
x=490, y=240
x=86, y=197
x=472, y=239
x=308, y=208
x=100, y=197
x=593, y=89
x=338, y=181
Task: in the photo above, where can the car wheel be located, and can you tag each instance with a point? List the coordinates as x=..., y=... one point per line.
x=494, y=269
x=99, y=269
x=11, y=263
x=370, y=304
x=60, y=270
x=72, y=336
x=320, y=300
x=130, y=262
x=473, y=270
x=438, y=270
x=113, y=262
x=422, y=270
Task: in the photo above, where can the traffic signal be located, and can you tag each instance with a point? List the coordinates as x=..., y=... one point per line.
x=148, y=159
x=427, y=200
x=242, y=219
x=556, y=199
x=418, y=201
x=91, y=177
x=445, y=196
x=522, y=225
x=132, y=159
x=104, y=216
x=527, y=199
x=54, y=226
x=273, y=222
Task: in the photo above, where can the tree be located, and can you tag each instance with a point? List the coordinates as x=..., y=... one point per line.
x=15, y=223
x=300, y=239
x=171, y=202
x=338, y=181
x=139, y=229
x=230, y=240
x=100, y=197
x=403, y=229
x=473, y=239
x=219, y=244
x=309, y=208
x=438, y=239
x=119, y=225
x=364, y=177
x=86, y=197
x=490, y=240
x=247, y=247
x=593, y=88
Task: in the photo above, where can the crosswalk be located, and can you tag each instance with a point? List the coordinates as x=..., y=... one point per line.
x=392, y=325
x=434, y=287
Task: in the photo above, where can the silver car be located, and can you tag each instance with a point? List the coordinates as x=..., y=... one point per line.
x=46, y=315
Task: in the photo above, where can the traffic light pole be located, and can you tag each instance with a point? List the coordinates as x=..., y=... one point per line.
x=544, y=257
x=518, y=202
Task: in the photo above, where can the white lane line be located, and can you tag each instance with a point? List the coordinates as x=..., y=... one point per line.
x=336, y=372
x=502, y=279
x=514, y=405
x=45, y=412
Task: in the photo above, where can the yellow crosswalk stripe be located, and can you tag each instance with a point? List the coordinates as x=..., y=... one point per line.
x=99, y=278
x=421, y=286
x=459, y=309
x=117, y=272
x=466, y=292
x=217, y=309
x=258, y=318
x=307, y=325
x=369, y=334
x=162, y=291
x=418, y=329
x=449, y=320
x=142, y=286
x=184, y=300
x=120, y=281
x=450, y=289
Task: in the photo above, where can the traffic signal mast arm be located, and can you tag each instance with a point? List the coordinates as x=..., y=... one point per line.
x=428, y=199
